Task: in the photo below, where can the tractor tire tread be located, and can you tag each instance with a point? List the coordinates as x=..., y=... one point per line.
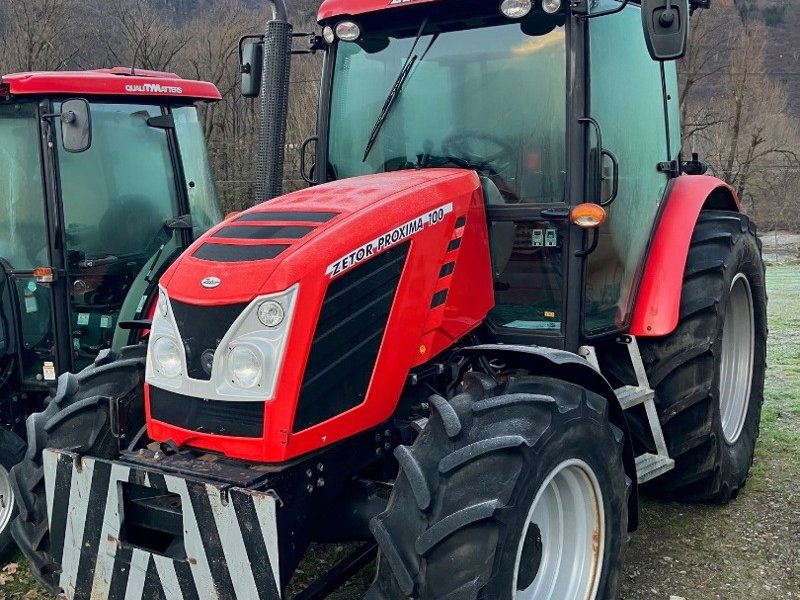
x=680, y=366
x=72, y=420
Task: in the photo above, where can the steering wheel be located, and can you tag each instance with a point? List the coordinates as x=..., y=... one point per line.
x=462, y=146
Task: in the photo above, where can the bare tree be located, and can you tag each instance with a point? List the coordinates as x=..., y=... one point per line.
x=134, y=32
x=40, y=35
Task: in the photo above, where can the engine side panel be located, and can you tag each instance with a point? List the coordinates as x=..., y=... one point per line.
x=658, y=302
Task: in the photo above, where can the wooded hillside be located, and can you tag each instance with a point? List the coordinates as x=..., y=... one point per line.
x=740, y=82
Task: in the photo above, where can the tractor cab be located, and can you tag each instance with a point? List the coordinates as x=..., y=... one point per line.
x=503, y=90
x=104, y=179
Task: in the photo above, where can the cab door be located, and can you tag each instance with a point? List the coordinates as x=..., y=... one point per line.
x=627, y=102
x=118, y=200
x=25, y=305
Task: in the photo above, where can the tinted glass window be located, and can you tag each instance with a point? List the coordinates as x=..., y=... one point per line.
x=117, y=197
x=627, y=101
x=491, y=98
x=203, y=201
x=118, y=194
x=23, y=233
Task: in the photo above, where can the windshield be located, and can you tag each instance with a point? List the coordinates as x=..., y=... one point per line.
x=203, y=201
x=473, y=98
x=23, y=235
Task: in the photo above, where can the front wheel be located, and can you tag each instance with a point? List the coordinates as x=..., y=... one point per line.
x=512, y=490
x=78, y=419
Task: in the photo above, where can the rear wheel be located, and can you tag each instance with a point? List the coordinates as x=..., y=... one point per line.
x=79, y=419
x=709, y=373
x=514, y=490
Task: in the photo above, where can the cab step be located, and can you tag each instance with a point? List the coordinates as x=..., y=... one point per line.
x=634, y=395
x=650, y=466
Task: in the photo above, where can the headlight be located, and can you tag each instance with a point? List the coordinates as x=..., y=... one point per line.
x=516, y=9
x=244, y=366
x=167, y=356
x=347, y=31
x=270, y=313
x=551, y=7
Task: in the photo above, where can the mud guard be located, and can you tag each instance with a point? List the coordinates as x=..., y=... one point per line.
x=229, y=547
x=657, y=305
x=574, y=369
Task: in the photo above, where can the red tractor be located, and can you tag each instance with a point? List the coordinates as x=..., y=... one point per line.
x=506, y=303
x=104, y=181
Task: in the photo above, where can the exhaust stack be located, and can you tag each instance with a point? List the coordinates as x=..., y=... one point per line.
x=274, y=103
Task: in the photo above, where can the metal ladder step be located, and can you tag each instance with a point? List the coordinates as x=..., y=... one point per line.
x=633, y=395
x=650, y=466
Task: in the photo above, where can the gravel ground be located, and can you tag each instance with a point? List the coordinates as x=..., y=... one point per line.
x=749, y=549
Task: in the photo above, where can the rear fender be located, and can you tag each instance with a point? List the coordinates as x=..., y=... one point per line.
x=570, y=367
x=657, y=306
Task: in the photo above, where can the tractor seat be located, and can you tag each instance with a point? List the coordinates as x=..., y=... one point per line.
x=501, y=233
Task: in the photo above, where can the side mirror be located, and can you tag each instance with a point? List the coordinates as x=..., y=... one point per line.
x=76, y=125
x=252, y=61
x=666, y=28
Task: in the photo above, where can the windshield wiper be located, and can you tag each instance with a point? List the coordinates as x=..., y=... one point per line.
x=397, y=87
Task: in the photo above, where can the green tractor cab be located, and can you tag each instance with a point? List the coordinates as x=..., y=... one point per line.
x=104, y=180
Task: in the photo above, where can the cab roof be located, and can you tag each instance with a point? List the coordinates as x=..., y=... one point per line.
x=117, y=81
x=339, y=8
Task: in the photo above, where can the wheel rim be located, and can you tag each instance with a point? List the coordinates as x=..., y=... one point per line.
x=560, y=554
x=6, y=498
x=736, y=363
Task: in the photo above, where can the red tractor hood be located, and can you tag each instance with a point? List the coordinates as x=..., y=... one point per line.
x=399, y=259
x=319, y=232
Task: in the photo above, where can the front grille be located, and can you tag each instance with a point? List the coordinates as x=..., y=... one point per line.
x=235, y=419
x=201, y=329
x=348, y=337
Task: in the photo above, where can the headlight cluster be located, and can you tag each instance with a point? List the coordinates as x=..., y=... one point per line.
x=347, y=31
x=244, y=364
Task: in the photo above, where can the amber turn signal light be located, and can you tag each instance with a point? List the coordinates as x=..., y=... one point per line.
x=588, y=215
x=44, y=275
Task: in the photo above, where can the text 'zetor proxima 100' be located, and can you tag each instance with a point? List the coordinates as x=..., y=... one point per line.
x=503, y=304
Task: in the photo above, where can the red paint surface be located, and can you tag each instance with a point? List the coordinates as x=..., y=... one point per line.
x=658, y=303
x=367, y=208
x=338, y=8
x=109, y=82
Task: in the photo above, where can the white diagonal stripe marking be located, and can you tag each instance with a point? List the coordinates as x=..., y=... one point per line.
x=79, y=491
x=192, y=541
x=109, y=534
x=139, y=560
x=230, y=536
